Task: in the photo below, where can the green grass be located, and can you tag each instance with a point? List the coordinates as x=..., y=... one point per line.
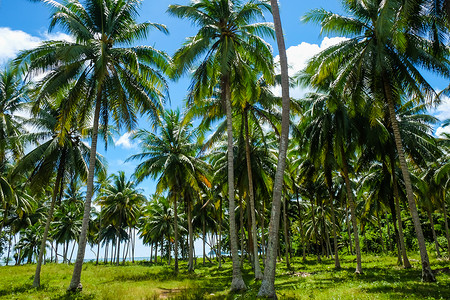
x=382, y=279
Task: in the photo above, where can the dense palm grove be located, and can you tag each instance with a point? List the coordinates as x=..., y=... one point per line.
x=363, y=171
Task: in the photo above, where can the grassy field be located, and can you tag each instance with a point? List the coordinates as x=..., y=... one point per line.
x=382, y=279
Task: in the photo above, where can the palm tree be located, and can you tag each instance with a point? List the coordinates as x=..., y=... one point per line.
x=67, y=157
x=102, y=74
x=267, y=288
x=121, y=202
x=386, y=54
x=12, y=95
x=170, y=157
x=230, y=43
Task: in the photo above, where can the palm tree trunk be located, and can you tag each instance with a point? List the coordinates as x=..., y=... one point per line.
x=151, y=252
x=348, y=229
x=302, y=233
x=175, y=220
x=446, y=225
x=285, y=229
x=433, y=231
x=156, y=252
x=76, y=276
x=328, y=179
x=191, y=236
x=241, y=229
x=56, y=253
x=204, y=238
x=401, y=240
x=258, y=273
x=237, y=282
x=388, y=227
x=118, y=247
x=316, y=232
x=268, y=283
x=352, y=210
x=59, y=176
x=427, y=274
x=71, y=253
x=263, y=238
x=219, y=244
x=383, y=248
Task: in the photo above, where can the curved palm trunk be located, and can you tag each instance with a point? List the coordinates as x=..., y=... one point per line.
x=76, y=276
x=219, y=242
x=351, y=202
x=237, y=282
x=401, y=240
x=175, y=220
x=258, y=273
x=427, y=274
x=268, y=283
x=58, y=181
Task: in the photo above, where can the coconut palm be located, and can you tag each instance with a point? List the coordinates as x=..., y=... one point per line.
x=170, y=158
x=267, y=288
x=67, y=157
x=121, y=202
x=386, y=54
x=102, y=74
x=228, y=45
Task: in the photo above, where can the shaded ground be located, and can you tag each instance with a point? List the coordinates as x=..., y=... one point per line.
x=382, y=279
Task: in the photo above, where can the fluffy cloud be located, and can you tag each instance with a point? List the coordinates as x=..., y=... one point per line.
x=14, y=41
x=442, y=112
x=298, y=57
x=125, y=141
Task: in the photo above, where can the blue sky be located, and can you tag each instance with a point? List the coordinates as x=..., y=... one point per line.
x=23, y=24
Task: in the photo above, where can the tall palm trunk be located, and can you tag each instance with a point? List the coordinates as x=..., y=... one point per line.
x=348, y=229
x=427, y=274
x=328, y=179
x=401, y=240
x=268, y=283
x=302, y=233
x=285, y=231
x=446, y=225
x=258, y=273
x=219, y=242
x=58, y=185
x=380, y=231
x=191, y=236
x=204, y=238
x=118, y=247
x=237, y=282
x=241, y=229
x=316, y=231
x=76, y=276
x=351, y=202
x=175, y=220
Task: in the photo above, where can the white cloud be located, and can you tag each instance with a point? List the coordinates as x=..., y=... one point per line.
x=125, y=141
x=14, y=41
x=298, y=57
x=442, y=111
x=441, y=130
